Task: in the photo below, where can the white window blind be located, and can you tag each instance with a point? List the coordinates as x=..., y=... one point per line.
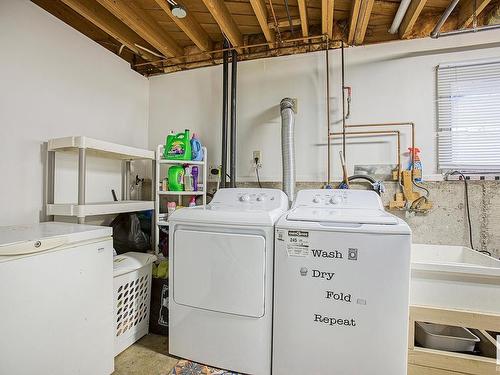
x=469, y=116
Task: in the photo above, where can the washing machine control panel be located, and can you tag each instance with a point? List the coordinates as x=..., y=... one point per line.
x=249, y=199
x=338, y=198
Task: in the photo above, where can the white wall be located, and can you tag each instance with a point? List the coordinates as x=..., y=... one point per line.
x=391, y=82
x=56, y=82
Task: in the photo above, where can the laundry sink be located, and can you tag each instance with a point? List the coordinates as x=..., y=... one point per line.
x=454, y=277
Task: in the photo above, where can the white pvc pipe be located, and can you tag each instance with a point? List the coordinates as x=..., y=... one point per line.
x=398, y=18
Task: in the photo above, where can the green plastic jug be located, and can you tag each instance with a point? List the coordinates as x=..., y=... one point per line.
x=178, y=146
x=176, y=178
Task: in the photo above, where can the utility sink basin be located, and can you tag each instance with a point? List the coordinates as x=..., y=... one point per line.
x=454, y=277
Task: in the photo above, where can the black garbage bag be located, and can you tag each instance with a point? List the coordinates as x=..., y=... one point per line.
x=128, y=235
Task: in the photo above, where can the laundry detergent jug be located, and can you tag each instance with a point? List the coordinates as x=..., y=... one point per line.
x=178, y=146
x=176, y=178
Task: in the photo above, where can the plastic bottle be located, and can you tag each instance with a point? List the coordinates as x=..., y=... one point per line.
x=171, y=207
x=194, y=172
x=417, y=164
x=188, y=179
x=192, y=202
x=196, y=148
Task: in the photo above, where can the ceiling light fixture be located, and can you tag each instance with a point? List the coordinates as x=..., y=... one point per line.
x=179, y=11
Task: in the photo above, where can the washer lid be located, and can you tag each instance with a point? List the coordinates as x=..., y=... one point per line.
x=342, y=215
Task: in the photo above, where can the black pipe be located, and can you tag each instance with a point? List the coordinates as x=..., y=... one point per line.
x=225, y=71
x=361, y=177
x=232, y=156
x=343, y=99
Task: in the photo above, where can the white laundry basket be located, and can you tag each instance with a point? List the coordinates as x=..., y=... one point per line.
x=132, y=295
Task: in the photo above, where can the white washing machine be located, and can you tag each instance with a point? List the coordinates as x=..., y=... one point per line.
x=341, y=279
x=221, y=275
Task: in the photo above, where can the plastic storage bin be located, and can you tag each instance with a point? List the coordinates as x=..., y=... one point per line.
x=443, y=337
x=132, y=295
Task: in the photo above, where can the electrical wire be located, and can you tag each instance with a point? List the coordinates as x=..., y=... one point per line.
x=258, y=177
x=427, y=192
x=256, y=160
x=466, y=188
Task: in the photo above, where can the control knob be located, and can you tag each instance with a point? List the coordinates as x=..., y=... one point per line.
x=336, y=200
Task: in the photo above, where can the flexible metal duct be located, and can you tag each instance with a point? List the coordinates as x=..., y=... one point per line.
x=288, y=147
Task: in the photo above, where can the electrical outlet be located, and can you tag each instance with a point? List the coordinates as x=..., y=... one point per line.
x=256, y=155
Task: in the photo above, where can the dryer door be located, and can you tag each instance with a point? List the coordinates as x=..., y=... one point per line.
x=222, y=272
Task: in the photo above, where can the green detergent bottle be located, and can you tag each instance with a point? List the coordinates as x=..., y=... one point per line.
x=178, y=146
x=176, y=178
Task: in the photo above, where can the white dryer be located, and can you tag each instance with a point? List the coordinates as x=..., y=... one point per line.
x=221, y=275
x=342, y=271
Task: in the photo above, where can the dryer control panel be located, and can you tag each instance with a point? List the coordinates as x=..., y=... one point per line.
x=339, y=198
x=253, y=199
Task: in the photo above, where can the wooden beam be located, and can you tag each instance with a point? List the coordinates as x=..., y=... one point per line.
x=353, y=20
x=303, y=17
x=327, y=7
x=283, y=24
x=466, y=11
x=410, y=17
x=260, y=10
x=108, y=23
x=190, y=26
x=144, y=25
x=223, y=17
x=365, y=12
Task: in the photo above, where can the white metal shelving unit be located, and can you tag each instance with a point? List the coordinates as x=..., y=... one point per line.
x=85, y=146
x=160, y=174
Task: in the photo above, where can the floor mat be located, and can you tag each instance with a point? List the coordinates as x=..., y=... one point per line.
x=184, y=367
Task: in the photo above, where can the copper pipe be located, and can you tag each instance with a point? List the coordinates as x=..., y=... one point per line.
x=394, y=124
x=343, y=101
x=377, y=132
x=249, y=54
x=302, y=39
x=327, y=63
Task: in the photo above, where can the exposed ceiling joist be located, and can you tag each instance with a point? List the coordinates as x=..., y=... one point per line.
x=365, y=12
x=222, y=16
x=353, y=20
x=283, y=24
x=260, y=10
x=327, y=7
x=190, y=26
x=108, y=23
x=466, y=11
x=410, y=17
x=303, y=17
x=144, y=25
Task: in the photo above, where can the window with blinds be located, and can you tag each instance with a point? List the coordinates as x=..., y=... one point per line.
x=469, y=117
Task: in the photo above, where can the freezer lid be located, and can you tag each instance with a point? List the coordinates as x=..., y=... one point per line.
x=35, y=238
x=344, y=215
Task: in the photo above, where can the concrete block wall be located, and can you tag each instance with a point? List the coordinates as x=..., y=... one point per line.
x=446, y=223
